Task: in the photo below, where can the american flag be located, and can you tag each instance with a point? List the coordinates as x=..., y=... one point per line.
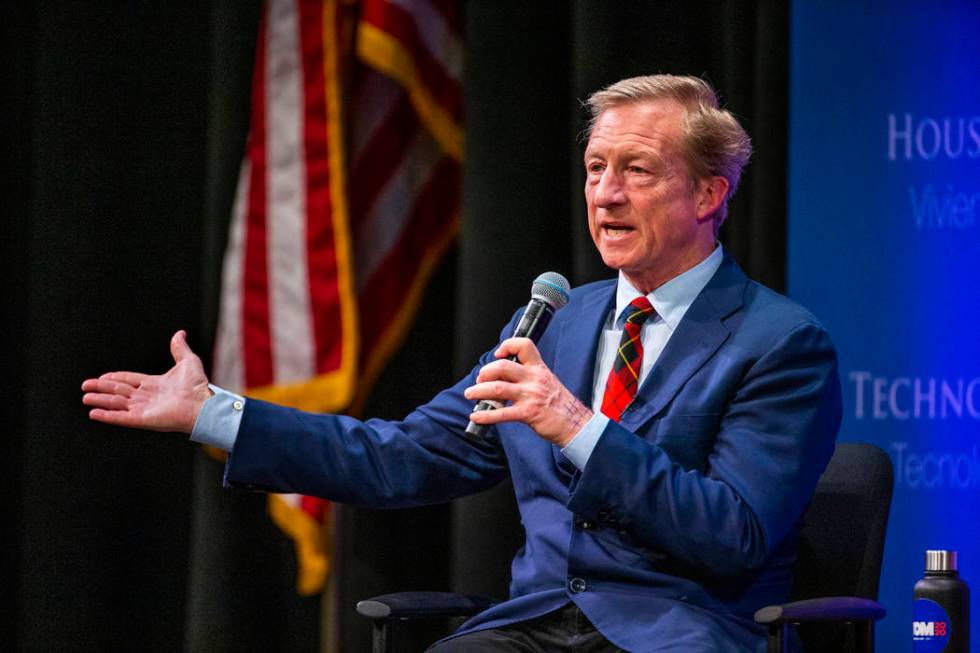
x=350, y=189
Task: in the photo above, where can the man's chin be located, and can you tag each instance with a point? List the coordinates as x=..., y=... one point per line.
x=619, y=261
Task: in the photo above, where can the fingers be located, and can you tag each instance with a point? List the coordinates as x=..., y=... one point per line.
x=115, y=417
x=537, y=397
x=134, y=379
x=499, y=390
x=501, y=370
x=506, y=380
x=108, y=386
x=102, y=400
x=106, y=393
x=498, y=380
x=496, y=416
x=179, y=348
x=524, y=348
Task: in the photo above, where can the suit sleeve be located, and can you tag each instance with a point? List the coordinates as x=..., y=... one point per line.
x=425, y=458
x=775, y=440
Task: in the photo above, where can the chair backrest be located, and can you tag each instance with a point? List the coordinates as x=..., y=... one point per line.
x=842, y=538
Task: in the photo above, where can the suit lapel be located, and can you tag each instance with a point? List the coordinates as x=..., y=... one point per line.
x=581, y=326
x=574, y=364
x=696, y=339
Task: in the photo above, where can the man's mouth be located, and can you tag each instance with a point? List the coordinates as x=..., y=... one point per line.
x=615, y=230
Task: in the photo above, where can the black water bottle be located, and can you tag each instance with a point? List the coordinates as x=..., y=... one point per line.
x=941, y=610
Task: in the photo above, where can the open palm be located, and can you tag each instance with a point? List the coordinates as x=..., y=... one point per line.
x=162, y=402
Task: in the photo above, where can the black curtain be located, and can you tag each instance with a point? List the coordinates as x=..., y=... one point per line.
x=127, y=125
x=104, y=120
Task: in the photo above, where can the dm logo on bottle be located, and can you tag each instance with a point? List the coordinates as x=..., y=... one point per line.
x=930, y=627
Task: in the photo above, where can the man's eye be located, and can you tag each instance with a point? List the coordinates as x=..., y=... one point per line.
x=637, y=170
x=595, y=167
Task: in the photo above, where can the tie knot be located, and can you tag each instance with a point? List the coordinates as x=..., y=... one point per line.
x=638, y=311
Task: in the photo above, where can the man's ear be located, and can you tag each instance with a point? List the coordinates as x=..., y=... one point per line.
x=709, y=196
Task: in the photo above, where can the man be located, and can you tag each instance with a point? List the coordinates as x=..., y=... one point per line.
x=663, y=438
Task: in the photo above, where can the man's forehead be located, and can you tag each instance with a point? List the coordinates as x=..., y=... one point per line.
x=649, y=123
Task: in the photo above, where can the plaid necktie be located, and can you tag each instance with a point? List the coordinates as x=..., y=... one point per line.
x=624, y=376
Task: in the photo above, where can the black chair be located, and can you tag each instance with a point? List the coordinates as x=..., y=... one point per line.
x=840, y=549
x=839, y=556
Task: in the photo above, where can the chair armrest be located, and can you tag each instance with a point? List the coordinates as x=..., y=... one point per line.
x=830, y=608
x=422, y=605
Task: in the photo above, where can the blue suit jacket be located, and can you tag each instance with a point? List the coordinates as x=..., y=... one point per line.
x=683, y=522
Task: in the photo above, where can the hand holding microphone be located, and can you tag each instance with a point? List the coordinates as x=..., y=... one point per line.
x=549, y=292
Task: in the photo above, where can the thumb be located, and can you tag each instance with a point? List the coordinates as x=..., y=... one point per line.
x=178, y=346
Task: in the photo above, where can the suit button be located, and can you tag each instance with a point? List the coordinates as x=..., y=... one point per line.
x=586, y=525
x=577, y=585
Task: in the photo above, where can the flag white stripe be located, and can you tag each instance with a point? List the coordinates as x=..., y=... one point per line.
x=228, y=354
x=292, y=500
x=380, y=230
x=290, y=321
x=441, y=42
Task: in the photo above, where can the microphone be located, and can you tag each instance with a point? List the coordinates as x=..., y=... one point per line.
x=549, y=292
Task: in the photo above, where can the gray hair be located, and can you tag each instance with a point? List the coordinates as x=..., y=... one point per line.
x=714, y=143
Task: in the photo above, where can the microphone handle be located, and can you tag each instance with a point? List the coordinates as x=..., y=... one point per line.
x=536, y=318
x=533, y=323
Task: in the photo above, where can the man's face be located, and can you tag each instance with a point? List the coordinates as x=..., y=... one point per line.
x=643, y=215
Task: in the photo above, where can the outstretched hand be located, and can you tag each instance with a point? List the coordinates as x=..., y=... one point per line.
x=163, y=402
x=537, y=397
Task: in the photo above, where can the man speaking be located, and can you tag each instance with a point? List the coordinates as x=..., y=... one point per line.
x=663, y=437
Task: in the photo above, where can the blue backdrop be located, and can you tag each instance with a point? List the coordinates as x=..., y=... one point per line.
x=884, y=247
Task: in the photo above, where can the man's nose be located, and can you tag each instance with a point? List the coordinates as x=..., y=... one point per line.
x=609, y=190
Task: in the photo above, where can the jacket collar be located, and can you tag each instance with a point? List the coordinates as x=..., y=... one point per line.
x=696, y=339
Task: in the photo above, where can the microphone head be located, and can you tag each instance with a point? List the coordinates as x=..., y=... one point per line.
x=552, y=289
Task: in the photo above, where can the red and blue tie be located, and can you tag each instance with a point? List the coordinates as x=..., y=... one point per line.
x=624, y=377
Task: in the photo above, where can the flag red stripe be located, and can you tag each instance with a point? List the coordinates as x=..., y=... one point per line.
x=382, y=156
x=320, y=244
x=395, y=21
x=431, y=214
x=314, y=507
x=256, y=342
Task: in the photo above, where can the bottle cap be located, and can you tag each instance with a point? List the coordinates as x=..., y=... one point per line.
x=940, y=560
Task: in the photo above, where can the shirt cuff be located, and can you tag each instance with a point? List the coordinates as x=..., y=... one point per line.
x=217, y=423
x=580, y=448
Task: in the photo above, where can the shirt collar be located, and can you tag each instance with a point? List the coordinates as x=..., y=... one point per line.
x=672, y=299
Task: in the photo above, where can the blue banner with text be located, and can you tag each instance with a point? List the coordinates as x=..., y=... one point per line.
x=884, y=247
